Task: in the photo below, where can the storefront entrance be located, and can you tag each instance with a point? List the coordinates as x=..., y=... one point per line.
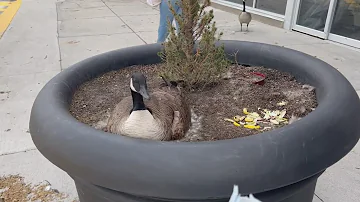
x=336, y=20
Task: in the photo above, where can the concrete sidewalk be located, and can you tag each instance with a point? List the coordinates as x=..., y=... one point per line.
x=46, y=36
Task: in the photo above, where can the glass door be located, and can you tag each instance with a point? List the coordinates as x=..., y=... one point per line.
x=345, y=26
x=313, y=17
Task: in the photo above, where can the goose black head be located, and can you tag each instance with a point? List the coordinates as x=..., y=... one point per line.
x=138, y=84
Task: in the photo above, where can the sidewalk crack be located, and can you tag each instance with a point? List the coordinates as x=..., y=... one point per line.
x=319, y=197
x=124, y=22
x=24, y=151
x=58, y=35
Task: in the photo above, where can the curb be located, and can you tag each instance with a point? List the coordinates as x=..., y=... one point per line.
x=8, y=9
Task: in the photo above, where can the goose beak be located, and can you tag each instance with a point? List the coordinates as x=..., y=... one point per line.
x=144, y=93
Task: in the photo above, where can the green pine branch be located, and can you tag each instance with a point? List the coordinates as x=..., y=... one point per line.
x=194, y=67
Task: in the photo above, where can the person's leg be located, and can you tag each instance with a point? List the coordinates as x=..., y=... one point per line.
x=165, y=15
x=178, y=11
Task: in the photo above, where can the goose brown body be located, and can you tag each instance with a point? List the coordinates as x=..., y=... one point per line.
x=245, y=17
x=167, y=116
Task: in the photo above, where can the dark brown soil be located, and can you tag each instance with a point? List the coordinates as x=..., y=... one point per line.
x=94, y=100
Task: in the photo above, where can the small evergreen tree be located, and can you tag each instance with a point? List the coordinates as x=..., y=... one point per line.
x=194, y=68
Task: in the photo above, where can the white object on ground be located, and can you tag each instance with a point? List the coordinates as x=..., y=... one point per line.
x=236, y=197
x=153, y=2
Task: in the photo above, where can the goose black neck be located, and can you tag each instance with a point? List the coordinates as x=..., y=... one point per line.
x=138, y=102
x=243, y=6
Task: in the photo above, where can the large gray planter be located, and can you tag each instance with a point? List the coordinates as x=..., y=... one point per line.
x=280, y=165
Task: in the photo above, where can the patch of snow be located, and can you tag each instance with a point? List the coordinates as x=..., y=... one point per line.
x=4, y=190
x=308, y=87
x=195, y=126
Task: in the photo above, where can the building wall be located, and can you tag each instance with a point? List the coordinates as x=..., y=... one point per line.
x=343, y=26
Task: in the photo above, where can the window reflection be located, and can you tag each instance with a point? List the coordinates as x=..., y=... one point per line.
x=275, y=6
x=248, y=3
x=347, y=19
x=313, y=13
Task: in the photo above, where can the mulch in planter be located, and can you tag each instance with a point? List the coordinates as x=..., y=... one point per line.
x=240, y=88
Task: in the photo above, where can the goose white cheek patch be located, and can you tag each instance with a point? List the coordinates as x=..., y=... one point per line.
x=132, y=86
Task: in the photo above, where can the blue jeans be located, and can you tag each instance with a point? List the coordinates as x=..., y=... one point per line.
x=165, y=15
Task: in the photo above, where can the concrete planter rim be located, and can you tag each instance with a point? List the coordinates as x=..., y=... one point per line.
x=257, y=163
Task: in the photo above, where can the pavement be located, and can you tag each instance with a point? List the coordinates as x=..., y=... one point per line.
x=47, y=36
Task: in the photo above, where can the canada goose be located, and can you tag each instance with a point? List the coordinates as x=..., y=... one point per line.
x=245, y=17
x=164, y=115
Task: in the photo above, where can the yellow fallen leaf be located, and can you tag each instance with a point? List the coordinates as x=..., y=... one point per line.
x=273, y=114
x=245, y=111
x=266, y=128
x=230, y=120
x=249, y=119
x=282, y=114
x=251, y=127
x=251, y=123
x=254, y=115
x=267, y=116
x=236, y=124
x=274, y=121
x=278, y=119
x=238, y=118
